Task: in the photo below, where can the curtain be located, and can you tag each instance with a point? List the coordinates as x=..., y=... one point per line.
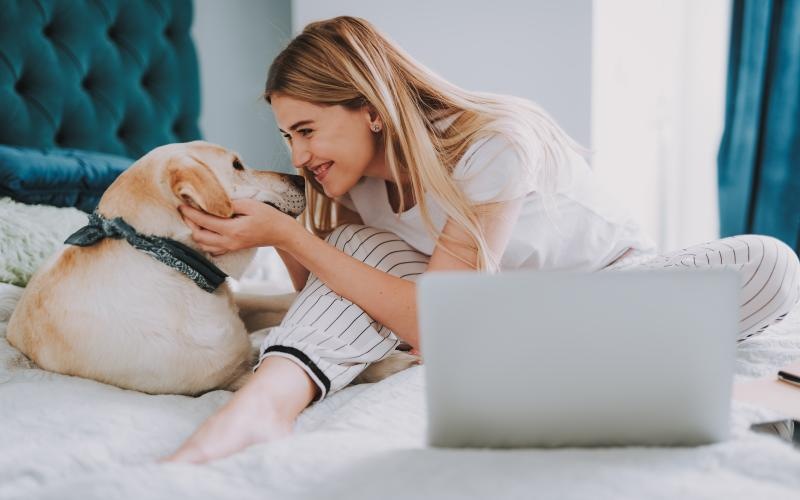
x=759, y=156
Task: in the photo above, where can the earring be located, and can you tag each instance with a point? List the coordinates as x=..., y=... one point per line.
x=375, y=127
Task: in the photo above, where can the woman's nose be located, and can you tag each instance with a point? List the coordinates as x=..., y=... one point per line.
x=300, y=157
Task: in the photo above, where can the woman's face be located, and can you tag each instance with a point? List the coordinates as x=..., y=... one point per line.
x=333, y=143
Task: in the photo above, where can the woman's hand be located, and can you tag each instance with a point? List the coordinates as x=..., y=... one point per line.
x=254, y=224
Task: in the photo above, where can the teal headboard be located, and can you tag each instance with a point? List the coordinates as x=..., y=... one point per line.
x=114, y=76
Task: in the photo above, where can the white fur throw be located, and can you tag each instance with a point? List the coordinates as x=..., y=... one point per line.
x=31, y=233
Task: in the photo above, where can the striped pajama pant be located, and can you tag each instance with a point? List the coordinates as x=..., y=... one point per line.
x=769, y=270
x=333, y=339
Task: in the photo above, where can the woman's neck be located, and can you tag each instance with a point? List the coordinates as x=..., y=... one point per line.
x=382, y=172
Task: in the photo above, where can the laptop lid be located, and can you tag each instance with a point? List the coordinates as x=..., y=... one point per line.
x=536, y=358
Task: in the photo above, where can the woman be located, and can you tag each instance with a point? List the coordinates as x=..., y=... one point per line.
x=435, y=178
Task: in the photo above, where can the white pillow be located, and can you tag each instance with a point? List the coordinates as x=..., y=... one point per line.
x=266, y=275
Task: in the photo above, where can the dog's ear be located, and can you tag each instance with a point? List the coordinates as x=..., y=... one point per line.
x=195, y=184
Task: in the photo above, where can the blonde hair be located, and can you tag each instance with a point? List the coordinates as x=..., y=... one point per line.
x=346, y=61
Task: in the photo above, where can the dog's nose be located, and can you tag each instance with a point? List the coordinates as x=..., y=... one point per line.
x=298, y=180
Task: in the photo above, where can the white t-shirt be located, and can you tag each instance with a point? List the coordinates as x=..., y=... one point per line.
x=579, y=229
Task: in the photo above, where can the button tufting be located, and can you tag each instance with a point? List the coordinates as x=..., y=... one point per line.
x=92, y=89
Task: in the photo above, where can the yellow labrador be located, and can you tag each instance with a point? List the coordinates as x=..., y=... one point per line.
x=112, y=312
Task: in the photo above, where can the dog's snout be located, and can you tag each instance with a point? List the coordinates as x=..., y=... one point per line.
x=298, y=180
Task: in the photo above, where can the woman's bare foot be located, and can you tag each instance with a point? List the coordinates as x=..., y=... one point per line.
x=232, y=429
x=264, y=409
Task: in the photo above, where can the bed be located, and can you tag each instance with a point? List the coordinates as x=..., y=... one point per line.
x=67, y=437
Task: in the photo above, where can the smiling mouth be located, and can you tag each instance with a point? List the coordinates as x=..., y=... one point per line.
x=320, y=170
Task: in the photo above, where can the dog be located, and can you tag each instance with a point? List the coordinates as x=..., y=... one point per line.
x=111, y=312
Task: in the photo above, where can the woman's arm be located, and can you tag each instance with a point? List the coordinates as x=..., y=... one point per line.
x=388, y=299
x=297, y=272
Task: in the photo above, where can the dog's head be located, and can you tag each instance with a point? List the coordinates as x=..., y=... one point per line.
x=208, y=177
x=200, y=174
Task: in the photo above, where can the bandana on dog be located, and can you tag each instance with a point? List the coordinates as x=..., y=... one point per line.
x=170, y=252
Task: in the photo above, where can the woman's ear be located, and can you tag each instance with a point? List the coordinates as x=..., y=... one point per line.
x=194, y=183
x=373, y=119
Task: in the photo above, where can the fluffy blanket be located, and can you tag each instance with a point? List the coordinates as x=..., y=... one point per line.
x=31, y=233
x=65, y=437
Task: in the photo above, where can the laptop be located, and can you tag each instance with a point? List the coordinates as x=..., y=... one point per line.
x=550, y=359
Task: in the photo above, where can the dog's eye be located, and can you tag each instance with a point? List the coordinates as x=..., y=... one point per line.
x=237, y=164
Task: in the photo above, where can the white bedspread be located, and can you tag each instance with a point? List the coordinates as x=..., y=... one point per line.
x=66, y=437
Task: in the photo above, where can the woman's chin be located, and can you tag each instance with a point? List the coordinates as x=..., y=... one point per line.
x=334, y=189
x=331, y=191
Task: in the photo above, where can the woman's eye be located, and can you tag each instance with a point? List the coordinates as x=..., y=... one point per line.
x=304, y=132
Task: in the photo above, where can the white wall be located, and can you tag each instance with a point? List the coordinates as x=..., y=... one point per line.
x=658, y=110
x=537, y=49
x=236, y=41
x=640, y=81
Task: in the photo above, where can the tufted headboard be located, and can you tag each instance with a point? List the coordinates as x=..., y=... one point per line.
x=116, y=76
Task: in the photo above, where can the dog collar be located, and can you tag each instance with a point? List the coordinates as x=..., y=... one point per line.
x=170, y=252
